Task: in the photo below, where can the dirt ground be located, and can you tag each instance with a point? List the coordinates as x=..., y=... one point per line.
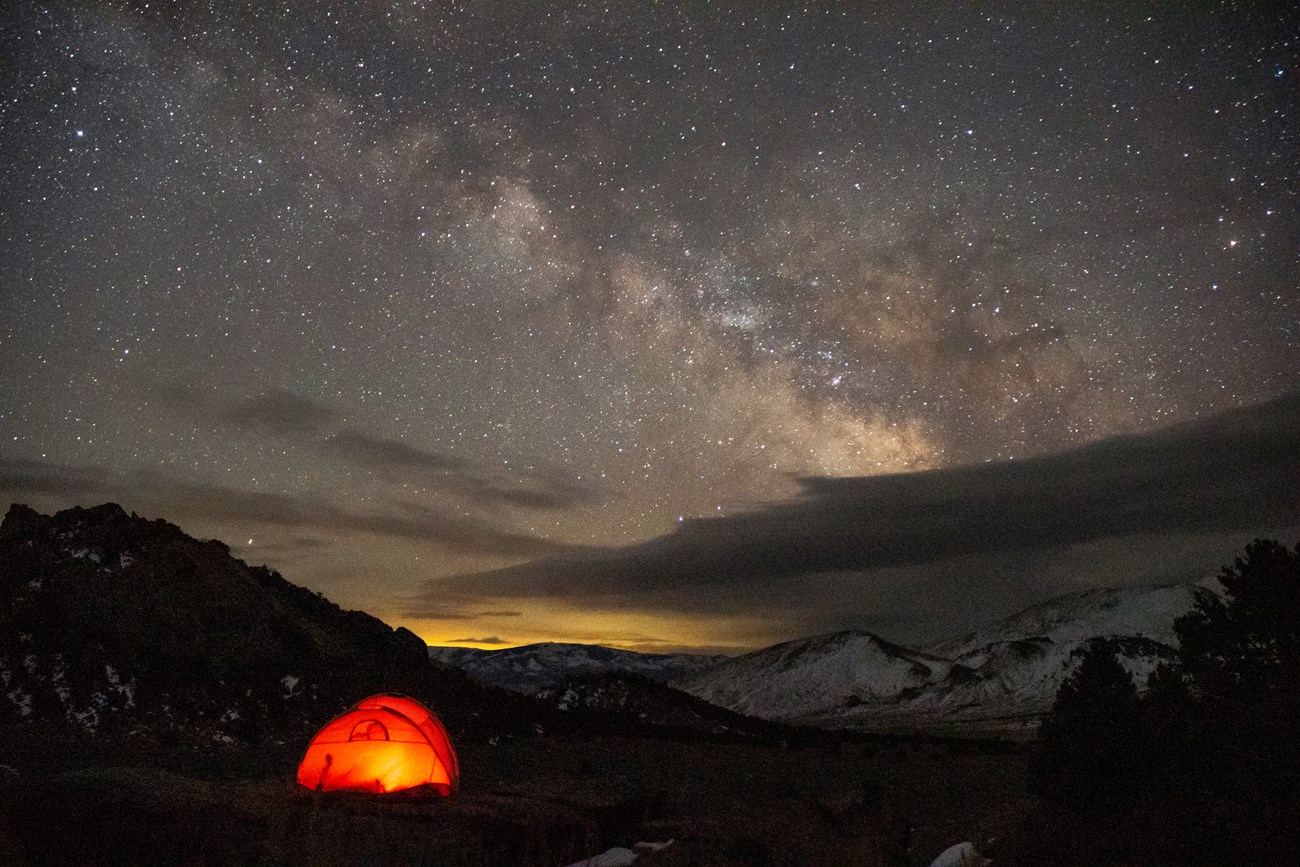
x=892, y=802
x=545, y=802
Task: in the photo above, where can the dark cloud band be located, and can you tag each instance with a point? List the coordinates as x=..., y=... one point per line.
x=1234, y=473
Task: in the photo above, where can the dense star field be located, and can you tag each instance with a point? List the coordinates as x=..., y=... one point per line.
x=403, y=291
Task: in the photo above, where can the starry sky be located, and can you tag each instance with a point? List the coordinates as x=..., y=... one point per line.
x=452, y=311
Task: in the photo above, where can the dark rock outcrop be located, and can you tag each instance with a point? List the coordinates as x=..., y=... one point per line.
x=125, y=635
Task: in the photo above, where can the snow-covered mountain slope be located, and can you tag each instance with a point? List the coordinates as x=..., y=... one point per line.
x=1008, y=685
x=812, y=676
x=533, y=667
x=1119, y=611
x=1003, y=675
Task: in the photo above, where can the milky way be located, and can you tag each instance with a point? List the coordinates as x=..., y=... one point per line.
x=401, y=291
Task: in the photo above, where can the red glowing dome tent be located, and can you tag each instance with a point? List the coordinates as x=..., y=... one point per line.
x=383, y=744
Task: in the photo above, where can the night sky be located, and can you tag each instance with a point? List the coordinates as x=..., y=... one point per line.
x=396, y=297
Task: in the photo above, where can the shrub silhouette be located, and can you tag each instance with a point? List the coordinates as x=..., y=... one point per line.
x=1204, y=767
x=1086, y=743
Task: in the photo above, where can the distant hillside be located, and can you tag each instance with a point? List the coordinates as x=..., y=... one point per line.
x=998, y=679
x=619, y=696
x=535, y=667
x=1001, y=677
x=795, y=678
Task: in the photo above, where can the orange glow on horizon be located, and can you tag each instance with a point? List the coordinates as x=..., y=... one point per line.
x=638, y=631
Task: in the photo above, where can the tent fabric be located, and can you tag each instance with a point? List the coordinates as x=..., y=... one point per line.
x=385, y=743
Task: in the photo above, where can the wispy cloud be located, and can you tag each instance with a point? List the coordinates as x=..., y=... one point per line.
x=178, y=499
x=278, y=412
x=284, y=415
x=387, y=455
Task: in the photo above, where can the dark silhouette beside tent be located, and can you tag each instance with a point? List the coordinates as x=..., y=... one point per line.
x=385, y=743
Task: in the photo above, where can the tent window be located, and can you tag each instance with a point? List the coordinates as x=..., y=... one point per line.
x=369, y=730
